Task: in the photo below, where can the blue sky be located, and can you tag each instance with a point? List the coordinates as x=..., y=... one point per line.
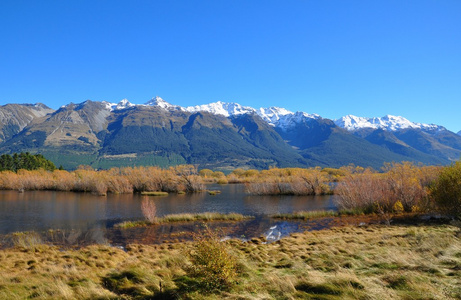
x=333, y=58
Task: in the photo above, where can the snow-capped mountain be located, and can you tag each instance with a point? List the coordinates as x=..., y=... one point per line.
x=388, y=122
x=222, y=108
x=459, y=132
x=249, y=138
x=274, y=116
x=157, y=101
x=283, y=118
x=123, y=104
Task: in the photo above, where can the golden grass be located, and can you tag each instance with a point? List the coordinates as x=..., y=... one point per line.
x=374, y=262
x=206, y=216
x=154, y=194
x=186, y=217
x=305, y=215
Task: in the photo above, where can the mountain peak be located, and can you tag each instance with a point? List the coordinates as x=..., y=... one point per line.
x=222, y=108
x=388, y=122
x=283, y=118
x=158, y=101
x=123, y=104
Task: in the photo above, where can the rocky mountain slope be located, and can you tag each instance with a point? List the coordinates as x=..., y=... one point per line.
x=15, y=117
x=217, y=135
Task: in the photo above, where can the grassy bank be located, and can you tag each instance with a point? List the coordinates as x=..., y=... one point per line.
x=185, y=217
x=305, y=215
x=374, y=262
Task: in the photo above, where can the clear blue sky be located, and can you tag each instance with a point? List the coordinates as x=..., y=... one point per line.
x=333, y=58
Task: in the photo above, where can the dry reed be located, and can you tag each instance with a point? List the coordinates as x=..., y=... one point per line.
x=117, y=181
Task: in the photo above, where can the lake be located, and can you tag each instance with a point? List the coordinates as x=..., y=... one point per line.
x=85, y=218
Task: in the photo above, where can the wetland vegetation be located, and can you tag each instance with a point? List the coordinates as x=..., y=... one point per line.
x=396, y=259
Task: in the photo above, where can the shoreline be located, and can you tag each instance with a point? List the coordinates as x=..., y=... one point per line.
x=179, y=229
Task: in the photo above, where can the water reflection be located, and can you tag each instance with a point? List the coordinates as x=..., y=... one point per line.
x=82, y=216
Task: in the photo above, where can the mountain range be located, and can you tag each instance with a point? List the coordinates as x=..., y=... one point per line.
x=218, y=136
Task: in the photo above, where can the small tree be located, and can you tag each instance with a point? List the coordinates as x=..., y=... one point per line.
x=446, y=190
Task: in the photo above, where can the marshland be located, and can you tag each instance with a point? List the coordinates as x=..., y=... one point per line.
x=183, y=233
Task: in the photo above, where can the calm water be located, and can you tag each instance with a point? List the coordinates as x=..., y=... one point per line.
x=94, y=216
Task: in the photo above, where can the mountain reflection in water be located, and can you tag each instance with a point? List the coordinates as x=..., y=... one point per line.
x=66, y=218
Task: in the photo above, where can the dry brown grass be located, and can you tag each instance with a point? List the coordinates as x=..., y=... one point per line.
x=373, y=262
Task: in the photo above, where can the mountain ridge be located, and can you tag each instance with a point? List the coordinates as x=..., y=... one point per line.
x=218, y=135
x=273, y=115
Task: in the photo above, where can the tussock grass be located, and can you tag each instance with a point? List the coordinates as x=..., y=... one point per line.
x=154, y=193
x=206, y=216
x=26, y=240
x=186, y=217
x=372, y=262
x=305, y=215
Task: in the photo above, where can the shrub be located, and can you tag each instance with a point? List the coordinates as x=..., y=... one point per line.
x=406, y=184
x=403, y=187
x=361, y=192
x=446, y=190
x=149, y=210
x=189, y=179
x=206, y=173
x=290, y=182
x=222, y=181
x=213, y=265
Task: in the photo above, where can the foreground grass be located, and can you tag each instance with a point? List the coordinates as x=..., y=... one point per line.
x=186, y=217
x=374, y=262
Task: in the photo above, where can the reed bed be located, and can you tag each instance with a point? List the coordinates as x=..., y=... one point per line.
x=311, y=181
x=119, y=181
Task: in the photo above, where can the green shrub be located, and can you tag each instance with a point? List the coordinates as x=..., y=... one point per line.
x=213, y=265
x=446, y=190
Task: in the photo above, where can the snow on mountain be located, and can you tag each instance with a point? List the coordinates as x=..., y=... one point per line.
x=274, y=116
x=283, y=118
x=388, y=122
x=157, y=101
x=459, y=132
x=123, y=104
x=222, y=108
